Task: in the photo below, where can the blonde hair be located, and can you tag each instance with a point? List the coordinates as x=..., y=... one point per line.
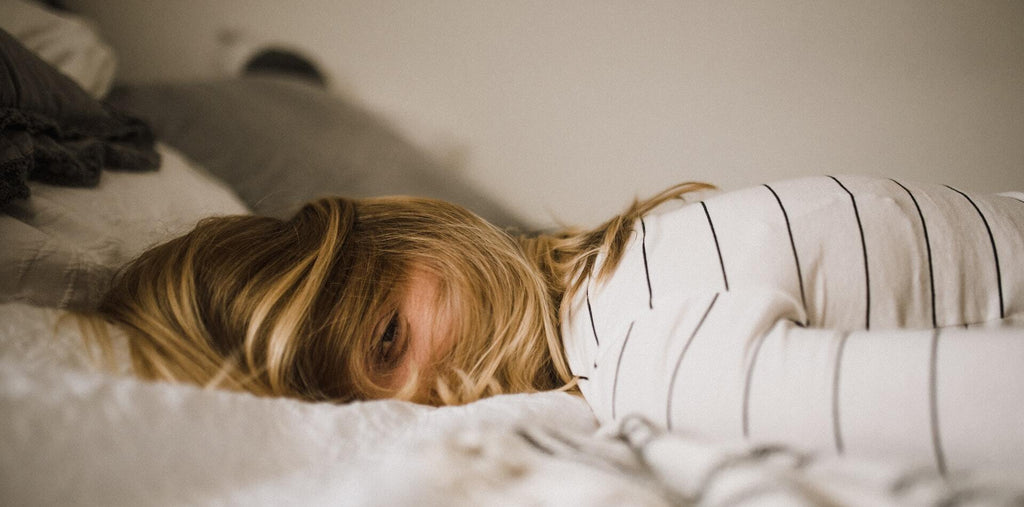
x=294, y=308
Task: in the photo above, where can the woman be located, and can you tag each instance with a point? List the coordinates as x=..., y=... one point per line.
x=690, y=316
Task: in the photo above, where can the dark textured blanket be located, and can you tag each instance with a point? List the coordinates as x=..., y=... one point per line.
x=54, y=132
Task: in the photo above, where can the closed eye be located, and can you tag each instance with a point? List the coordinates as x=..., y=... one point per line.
x=392, y=343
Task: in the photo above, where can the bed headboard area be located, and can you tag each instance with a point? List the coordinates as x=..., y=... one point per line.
x=270, y=127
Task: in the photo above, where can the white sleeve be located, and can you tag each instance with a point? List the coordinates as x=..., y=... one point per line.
x=733, y=365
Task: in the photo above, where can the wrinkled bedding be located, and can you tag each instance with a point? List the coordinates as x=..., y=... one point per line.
x=72, y=434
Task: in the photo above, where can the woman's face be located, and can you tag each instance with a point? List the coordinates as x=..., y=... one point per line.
x=419, y=332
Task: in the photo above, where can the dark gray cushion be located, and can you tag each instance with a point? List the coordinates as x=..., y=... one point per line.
x=53, y=131
x=280, y=142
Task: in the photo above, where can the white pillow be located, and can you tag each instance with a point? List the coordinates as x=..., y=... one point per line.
x=62, y=245
x=67, y=42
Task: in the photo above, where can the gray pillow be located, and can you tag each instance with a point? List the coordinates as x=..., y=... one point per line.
x=279, y=142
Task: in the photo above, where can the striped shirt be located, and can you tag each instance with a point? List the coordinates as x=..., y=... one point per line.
x=859, y=315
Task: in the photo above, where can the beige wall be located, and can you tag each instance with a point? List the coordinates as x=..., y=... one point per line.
x=568, y=109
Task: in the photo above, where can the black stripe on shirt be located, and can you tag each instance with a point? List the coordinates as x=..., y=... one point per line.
x=940, y=456
x=796, y=258
x=995, y=252
x=647, y=272
x=590, y=311
x=679, y=362
x=618, y=364
x=864, y=250
x=721, y=262
x=928, y=249
x=836, y=427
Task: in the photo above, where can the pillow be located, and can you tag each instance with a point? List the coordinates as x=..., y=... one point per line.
x=62, y=246
x=65, y=41
x=280, y=142
x=53, y=131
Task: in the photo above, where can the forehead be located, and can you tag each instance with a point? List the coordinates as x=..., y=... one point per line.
x=420, y=285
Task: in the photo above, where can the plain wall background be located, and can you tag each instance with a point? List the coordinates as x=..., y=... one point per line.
x=567, y=110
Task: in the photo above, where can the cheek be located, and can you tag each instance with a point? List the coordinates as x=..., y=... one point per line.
x=428, y=308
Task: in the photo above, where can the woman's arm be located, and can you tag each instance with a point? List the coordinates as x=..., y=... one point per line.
x=735, y=365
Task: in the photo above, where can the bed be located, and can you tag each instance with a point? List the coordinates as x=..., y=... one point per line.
x=77, y=432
